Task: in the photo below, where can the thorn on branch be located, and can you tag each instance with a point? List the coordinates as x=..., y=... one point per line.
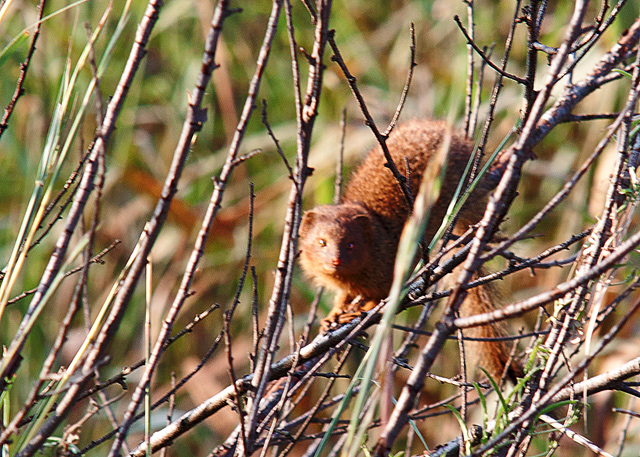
x=307, y=56
x=231, y=12
x=199, y=117
x=549, y=50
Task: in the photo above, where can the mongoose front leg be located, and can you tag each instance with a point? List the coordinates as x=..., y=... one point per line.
x=340, y=306
x=346, y=307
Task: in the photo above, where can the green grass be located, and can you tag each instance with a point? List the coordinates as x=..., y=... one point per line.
x=54, y=123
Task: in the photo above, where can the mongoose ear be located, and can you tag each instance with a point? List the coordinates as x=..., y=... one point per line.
x=308, y=219
x=364, y=221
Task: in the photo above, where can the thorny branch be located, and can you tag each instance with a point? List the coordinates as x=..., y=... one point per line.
x=24, y=68
x=273, y=413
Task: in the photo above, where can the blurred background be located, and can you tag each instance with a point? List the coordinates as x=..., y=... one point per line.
x=374, y=39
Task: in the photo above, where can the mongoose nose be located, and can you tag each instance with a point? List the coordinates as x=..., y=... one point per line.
x=336, y=262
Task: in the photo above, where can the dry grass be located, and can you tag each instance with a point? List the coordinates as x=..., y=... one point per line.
x=374, y=41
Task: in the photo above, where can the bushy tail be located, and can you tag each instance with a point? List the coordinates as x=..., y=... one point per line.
x=493, y=356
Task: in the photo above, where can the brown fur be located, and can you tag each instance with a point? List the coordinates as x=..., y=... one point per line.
x=350, y=248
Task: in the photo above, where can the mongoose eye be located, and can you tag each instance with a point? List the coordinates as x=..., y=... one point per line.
x=350, y=246
x=322, y=242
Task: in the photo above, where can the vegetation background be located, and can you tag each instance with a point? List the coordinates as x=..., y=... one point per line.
x=374, y=40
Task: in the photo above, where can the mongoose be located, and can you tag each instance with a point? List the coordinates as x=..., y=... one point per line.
x=350, y=248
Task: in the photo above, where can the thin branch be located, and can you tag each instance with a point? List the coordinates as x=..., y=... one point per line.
x=306, y=112
x=516, y=423
x=407, y=84
x=232, y=374
x=95, y=259
x=166, y=397
x=484, y=57
x=86, y=186
x=469, y=126
x=381, y=138
x=194, y=120
x=321, y=345
x=559, y=291
x=337, y=185
x=24, y=68
x=533, y=18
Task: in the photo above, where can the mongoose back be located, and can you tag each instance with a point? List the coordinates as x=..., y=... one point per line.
x=350, y=248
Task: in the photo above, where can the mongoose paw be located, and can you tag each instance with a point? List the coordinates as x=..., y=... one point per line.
x=337, y=319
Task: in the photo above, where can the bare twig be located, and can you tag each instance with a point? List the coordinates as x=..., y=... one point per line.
x=232, y=374
x=469, y=126
x=484, y=57
x=195, y=118
x=24, y=68
x=306, y=112
x=337, y=185
x=407, y=84
x=380, y=137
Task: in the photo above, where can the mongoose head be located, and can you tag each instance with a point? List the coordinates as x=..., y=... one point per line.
x=335, y=240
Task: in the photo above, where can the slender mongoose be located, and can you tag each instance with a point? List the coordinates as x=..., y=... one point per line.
x=350, y=247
